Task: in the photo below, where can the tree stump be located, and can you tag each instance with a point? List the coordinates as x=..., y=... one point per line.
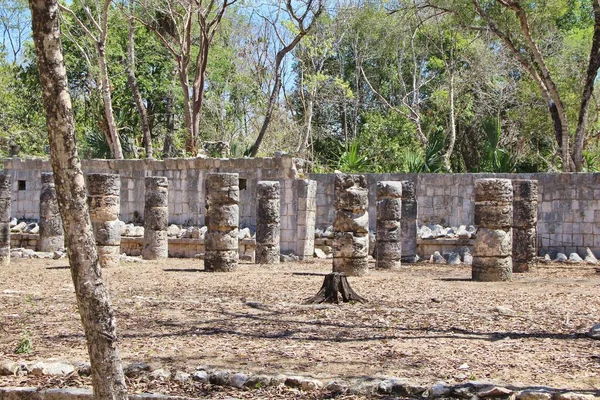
x=335, y=286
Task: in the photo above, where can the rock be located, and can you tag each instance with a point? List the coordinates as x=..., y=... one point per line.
x=8, y=367
x=462, y=232
x=318, y=233
x=439, y=389
x=19, y=227
x=258, y=381
x=560, y=257
x=32, y=228
x=320, y=253
x=534, y=395
x=304, y=384
x=547, y=259
x=65, y=393
x=173, y=231
x=454, y=259
x=200, y=376
x=464, y=366
x=372, y=243
x=328, y=234
x=336, y=387
x=13, y=222
x=126, y=229
x=503, y=310
x=202, y=232
x=160, y=374
x=400, y=387
x=386, y=386
x=130, y=259
x=437, y=258
x=574, y=258
x=220, y=378
x=83, y=368
x=426, y=233
x=288, y=257
x=365, y=387
x=138, y=231
x=57, y=255
x=238, y=380
x=594, y=332
x=590, y=258
x=495, y=391
x=450, y=233
x=468, y=258
x=244, y=234
x=181, y=377
x=51, y=368
x=471, y=229
x=135, y=369
x=573, y=396
x=438, y=231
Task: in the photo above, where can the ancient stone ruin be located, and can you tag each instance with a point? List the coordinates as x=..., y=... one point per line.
x=5, y=202
x=408, y=223
x=525, y=210
x=104, y=203
x=492, y=253
x=389, y=211
x=222, y=220
x=267, y=222
x=51, y=229
x=156, y=218
x=351, y=225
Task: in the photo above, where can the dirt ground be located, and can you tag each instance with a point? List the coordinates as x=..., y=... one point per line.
x=424, y=322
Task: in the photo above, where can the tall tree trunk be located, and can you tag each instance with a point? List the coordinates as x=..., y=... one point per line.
x=452, y=137
x=588, y=90
x=269, y=114
x=168, y=144
x=135, y=89
x=114, y=141
x=190, y=141
x=92, y=295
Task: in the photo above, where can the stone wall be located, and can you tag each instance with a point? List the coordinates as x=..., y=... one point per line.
x=568, y=205
x=186, y=186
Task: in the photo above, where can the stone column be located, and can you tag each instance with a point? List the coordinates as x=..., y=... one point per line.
x=267, y=222
x=51, y=229
x=5, y=201
x=105, y=204
x=351, y=225
x=389, y=210
x=525, y=207
x=306, y=215
x=408, y=222
x=492, y=253
x=156, y=218
x=222, y=220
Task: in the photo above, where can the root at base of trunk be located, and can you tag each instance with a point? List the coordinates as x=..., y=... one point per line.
x=335, y=286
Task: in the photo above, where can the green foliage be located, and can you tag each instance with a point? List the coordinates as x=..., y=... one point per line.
x=352, y=161
x=25, y=345
x=496, y=159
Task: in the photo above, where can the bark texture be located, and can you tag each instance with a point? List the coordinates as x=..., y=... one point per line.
x=92, y=295
x=351, y=225
x=222, y=220
x=267, y=222
x=105, y=204
x=5, y=202
x=389, y=212
x=156, y=218
x=335, y=288
x=492, y=253
x=52, y=236
x=408, y=223
x=525, y=207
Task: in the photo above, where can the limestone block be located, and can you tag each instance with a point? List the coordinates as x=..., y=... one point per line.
x=493, y=243
x=493, y=189
x=491, y=269
x=350, y=245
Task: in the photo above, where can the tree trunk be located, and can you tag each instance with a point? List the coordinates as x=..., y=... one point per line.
x=588, y=90
x=452, y=138
x=135, y=90
x=113, y=139
x=190, y=141
x=269, y=114
x=92, y=295
x=168, y=144
x=335, y=286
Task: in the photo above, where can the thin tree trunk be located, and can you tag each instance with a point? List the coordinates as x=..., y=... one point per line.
x=190, y=141
x=92, y=295
x=168, y=144
x=269, y=114
x=452, y=138
x=114, y=141
x=135, y=90
x=588, y=90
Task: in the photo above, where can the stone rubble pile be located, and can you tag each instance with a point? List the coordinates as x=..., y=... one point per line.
x=438, y=231
x=572, y=258
x=207, y=375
